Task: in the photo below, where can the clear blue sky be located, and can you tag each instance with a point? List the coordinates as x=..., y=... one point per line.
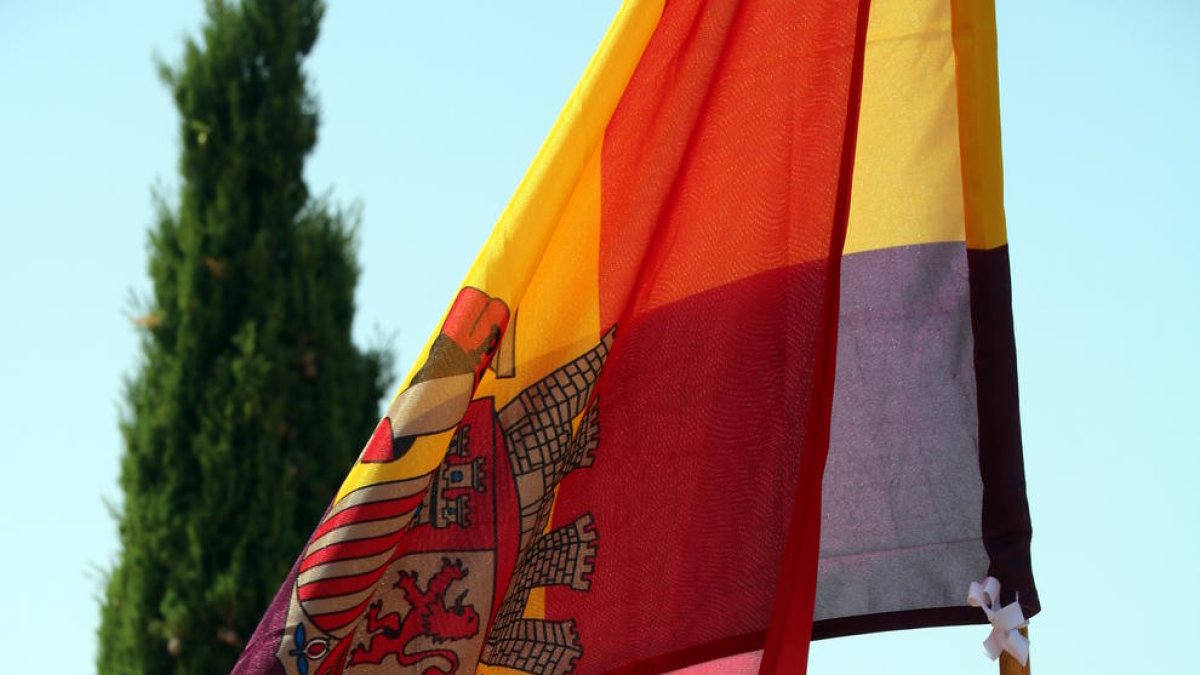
x=430, y=117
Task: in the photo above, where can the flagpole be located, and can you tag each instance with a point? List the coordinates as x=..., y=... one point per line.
x=1009, y=665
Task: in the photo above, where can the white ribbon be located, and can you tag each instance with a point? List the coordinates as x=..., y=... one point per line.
x=1005, y=621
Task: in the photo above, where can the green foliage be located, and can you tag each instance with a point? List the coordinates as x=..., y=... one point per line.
x=251, y=400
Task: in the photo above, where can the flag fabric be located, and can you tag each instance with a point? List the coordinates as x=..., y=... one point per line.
x=701, y=303
x=924, y=489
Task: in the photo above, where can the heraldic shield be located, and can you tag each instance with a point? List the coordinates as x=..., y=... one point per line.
x=433, y=574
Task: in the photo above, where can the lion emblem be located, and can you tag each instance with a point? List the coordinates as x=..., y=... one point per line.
x=428, y=616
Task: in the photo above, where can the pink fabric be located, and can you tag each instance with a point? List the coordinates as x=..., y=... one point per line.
x=739, y=664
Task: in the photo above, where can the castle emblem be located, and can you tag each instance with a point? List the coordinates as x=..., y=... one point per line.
x=433, y=574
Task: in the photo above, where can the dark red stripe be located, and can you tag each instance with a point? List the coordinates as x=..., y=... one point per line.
x=347, y=585
x=335, y=620
x=351, y=550
x=370, y=511
x=786, y=647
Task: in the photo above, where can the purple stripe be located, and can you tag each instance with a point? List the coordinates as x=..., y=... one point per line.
x=902, y=536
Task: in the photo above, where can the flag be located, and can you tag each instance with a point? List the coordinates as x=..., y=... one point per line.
x=610, y=455
x=924, y=489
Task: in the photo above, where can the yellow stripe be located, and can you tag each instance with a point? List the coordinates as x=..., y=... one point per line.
x=559, y=316
x=542, y=255
x=558, y=310
x=907, y=177
x=508, y=259
x=974, y=27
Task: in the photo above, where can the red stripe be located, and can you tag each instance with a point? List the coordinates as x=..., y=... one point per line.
x=350, y=550
x=348, y=585
x=691, y=656
x=722, y=218
x=335, y=620
x=786, y=648
x=380, y=510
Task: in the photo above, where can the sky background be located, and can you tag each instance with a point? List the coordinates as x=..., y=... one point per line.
x=430, y=114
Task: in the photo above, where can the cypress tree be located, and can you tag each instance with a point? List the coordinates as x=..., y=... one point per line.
x=251, y=399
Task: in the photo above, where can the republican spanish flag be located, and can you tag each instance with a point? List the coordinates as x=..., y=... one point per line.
x=734, y=370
